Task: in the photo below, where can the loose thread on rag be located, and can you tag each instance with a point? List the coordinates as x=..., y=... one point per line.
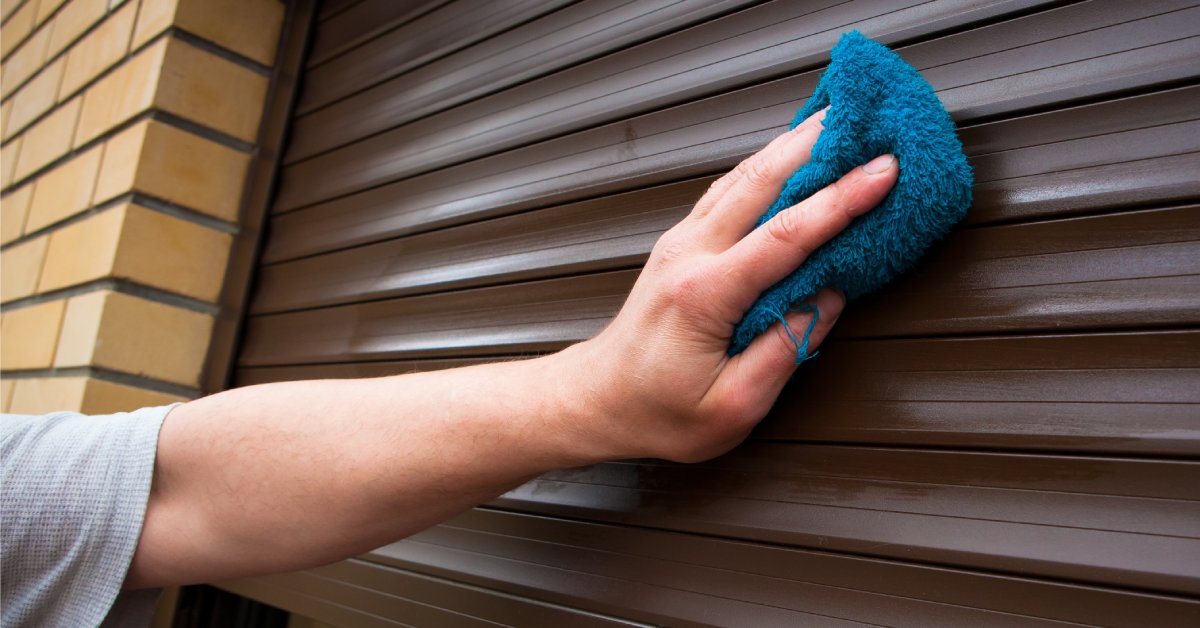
x=801, y=345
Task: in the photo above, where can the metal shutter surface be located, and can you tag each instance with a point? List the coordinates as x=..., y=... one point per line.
x=1009, y=435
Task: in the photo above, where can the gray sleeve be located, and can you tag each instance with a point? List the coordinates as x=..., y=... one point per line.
x=74, y=492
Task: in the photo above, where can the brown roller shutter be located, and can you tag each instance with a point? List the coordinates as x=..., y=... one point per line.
x=1009, y=435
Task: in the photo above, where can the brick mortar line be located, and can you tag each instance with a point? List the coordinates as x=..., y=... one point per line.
x=194, y=128
x=216, y=49
x=120, y=285
x=167, y=208
x=206, y=132
x=20, y=5
x=162, y=115
x=107, y=375
x=61, y=53
x=173, y=31
x=68, y=221
x=82, y=88
x=38, y=27
x=183, y=212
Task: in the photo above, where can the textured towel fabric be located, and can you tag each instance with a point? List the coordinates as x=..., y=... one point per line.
x=877, y=104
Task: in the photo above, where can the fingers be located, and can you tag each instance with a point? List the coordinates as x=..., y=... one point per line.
x=765, y=366
x=776, y=248
x=736, y=200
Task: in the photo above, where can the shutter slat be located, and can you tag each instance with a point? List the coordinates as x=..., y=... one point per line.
x=936, y=507
x=1008, y=435
x=565, y=37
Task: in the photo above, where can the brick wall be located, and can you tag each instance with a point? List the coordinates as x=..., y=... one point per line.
x=128, y=127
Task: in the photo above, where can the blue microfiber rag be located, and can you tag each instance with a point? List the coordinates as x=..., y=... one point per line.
x=877, y=104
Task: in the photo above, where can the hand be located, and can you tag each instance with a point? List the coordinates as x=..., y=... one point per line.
x=658, y=378
x=237, y=473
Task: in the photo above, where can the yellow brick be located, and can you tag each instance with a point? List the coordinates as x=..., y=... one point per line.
x=80, y=328
x=64, y=191
x=5, y=114
x=82, y=251
x=189, y=170
x=43, y=395
x=172, y=254
x=154, y=17
x=27, y=59
x=124, y=93
x=101, y=397
x=73, y=20
x=13, y=210
x=212, y=91
x=47, y=140
x=118, y=170
x=20, y=266
x=28, y=336
x=34, y=99
x=47, y=7
x=18, y=28
x=135, y=243
x=8, y=6
x=6, y=391
x=100, y=49
x=9, y=153
x=134, y=335
x=154, y=340
x=248, y=27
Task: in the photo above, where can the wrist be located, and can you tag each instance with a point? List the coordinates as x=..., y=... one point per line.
x=580, y=408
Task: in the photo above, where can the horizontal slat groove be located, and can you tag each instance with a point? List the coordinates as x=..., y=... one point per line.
x=567, y=560
x=691, y=140
x=970, y=285
x=441, y=31
x=354, y=25
x=1008, y=435
x=759, y=43
x=767, y=494
x=571, y=35
x=890, y=392
x=561, y=239
x=420, y=599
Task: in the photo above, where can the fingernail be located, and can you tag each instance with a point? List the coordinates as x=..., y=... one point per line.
x=882, y=163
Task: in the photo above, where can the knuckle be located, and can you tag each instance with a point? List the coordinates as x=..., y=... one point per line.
x=712, y=195
x=718, y=184
x=842, y=196
x=757, y=172
x=785, y=226
x=690, y=293
x=687, y=285
x=670, y=247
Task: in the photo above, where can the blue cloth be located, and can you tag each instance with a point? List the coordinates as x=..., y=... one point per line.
x=877, y=104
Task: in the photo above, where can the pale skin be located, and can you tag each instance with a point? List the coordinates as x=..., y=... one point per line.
x=285, y=476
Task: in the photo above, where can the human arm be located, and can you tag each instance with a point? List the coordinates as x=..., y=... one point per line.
x=284, y=476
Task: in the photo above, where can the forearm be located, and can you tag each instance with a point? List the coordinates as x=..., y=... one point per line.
x=286, y=476
x=294, y=474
